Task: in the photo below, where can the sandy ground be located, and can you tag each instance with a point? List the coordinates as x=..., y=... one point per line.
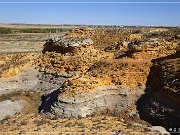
x=29, y=42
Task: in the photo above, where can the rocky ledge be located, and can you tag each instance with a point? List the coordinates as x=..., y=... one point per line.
x=161, y=105
x=88, y=96
x=65, y=44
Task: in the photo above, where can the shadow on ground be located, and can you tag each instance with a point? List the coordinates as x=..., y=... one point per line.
x=48, y=100
x=154, y=106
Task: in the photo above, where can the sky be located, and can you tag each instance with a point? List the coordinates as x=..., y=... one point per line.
x=143, y=14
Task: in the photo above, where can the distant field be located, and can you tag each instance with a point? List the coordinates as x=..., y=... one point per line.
x=31, y=28
x=36, y=26
x=28, y=37
x=24, y=42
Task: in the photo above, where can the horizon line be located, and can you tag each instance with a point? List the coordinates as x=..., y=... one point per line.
x=71, y=24
x=89, y=2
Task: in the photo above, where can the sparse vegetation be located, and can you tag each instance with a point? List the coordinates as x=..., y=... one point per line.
x=5, y=31
x=32, y=99
x=33, y=30
x=12, y=63
x=39, y=122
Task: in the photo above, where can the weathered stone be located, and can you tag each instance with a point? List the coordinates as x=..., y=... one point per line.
x=65, y=44
x=160, y=129
x=9, y=108
x=105, y=99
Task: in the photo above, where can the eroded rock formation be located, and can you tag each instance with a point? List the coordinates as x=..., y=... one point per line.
x=89, y=96
x=160, y=104
x=103, y=71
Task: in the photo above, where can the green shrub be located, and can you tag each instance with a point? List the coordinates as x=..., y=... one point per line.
x=33, y=30
x=5, y=31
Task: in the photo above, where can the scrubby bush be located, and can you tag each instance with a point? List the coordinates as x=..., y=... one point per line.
x=33, y=30
x=5, y=31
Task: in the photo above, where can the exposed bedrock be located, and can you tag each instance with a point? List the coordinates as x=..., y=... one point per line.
x=49, y=80
x=9, y=108
x=65, y=44
x=32, y=79
x=160, y=105
x=25, y=80
x=104, y=100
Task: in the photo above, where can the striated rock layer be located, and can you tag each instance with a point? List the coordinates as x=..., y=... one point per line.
x=83, y=97
x=97, y=81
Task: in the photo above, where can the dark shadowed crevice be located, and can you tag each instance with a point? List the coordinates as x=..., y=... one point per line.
x=52, y=47
x=159, y=106
x=48, y=100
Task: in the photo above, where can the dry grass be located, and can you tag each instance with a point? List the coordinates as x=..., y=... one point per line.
x=31, y=100
x=12, y=64
x=104, y=38
x=89, y=125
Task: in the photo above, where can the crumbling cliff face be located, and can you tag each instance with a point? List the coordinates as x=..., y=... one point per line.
x=166, y=82
x=90, y=68
x=109, y=75
x=138, y=43
x=65, y=44
x=94, y=75
x=160, y=103
x=86, y=96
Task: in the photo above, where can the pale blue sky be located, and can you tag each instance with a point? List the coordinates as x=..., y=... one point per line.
x=162, y=14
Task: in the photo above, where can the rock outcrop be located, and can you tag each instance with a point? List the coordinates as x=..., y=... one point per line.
x=88, y=96
x=166, y=81
x=65, y=44
x=161, y=105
